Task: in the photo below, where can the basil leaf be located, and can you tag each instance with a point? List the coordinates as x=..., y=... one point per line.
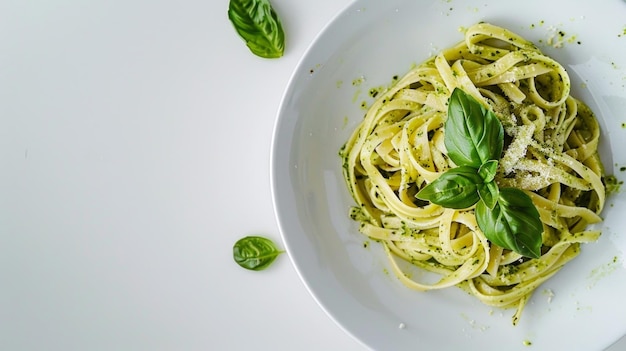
x=489, y=193
x=473, y=133
x=258, y=24
x=456, y=188
x=513, y=223
x=488, y=170
x=255, y=253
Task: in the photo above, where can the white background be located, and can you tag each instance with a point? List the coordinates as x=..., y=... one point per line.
x=134, y=151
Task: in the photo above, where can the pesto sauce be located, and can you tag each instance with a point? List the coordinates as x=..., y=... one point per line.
x=613, y=185
x=358, y=81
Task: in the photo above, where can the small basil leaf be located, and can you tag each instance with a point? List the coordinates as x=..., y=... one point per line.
x=255, y=253
x=513, y=223
x=456, y=188
x=488, y=170
x=473, y=133
x=258, y=24
x=489, y=193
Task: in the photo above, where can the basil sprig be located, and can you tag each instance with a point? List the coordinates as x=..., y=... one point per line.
x=473, y=134
x=474, y=138
x=255, y=252
x=513, y=223
x=258, y=24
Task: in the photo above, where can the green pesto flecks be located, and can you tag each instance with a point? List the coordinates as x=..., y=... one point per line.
x=574, y=40
x=582, y=308
x=603, y=271
x=374, y=92
x=612, y=184
x=358, y=81
x=312, y=70
x=356, y=95
x=555, y=37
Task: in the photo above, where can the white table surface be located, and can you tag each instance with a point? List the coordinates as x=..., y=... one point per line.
x=134, y=150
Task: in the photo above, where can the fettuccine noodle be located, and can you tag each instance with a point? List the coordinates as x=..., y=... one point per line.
x=550, y=152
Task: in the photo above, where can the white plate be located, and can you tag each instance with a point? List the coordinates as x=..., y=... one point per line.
x=363, y=48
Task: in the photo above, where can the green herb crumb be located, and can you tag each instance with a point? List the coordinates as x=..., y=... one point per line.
x=374, y=92
x=612, y=184
x=358, y=81
x=603, y=271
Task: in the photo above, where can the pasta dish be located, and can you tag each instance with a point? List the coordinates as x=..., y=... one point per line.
x=510, y=215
